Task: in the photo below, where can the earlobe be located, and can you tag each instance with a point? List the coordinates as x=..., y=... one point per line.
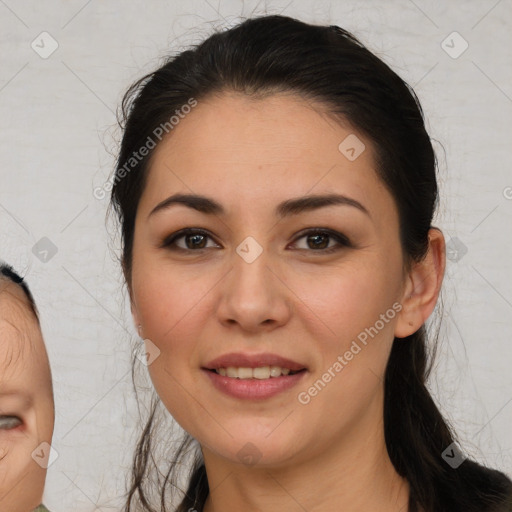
x=422, y=287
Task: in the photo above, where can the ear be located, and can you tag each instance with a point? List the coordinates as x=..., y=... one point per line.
x=422, y=286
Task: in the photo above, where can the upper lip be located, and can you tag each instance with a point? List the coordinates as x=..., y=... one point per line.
x=240, y=360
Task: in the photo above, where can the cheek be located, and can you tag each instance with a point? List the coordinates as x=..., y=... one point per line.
x=166, y=300
x=349, y=299
x=45, y=418
x=173, y=315
x=21, y=478
x=353, y=330
x=172, y=308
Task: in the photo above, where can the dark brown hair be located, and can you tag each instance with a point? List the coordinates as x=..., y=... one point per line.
x=327, y=64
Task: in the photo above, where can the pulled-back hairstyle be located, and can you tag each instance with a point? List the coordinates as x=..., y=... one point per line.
x=327, y=64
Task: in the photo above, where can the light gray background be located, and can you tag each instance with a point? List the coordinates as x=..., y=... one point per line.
x=58, y=138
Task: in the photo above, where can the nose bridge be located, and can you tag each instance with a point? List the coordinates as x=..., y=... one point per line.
x=250, y=270
x=252, y=296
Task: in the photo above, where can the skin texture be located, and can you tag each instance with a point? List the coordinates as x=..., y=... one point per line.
x=25, y=392
x=293, y=300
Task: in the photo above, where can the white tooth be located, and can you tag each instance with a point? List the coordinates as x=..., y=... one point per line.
x=231, y=371
x=261, y=373
x=275, y=371
x=245, y=373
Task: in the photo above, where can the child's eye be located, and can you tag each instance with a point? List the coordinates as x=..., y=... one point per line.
x=9, y=422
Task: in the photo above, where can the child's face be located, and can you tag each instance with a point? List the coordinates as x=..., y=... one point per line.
x=26, y=403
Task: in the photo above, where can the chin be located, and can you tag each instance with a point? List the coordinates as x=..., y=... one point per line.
x=257, y=451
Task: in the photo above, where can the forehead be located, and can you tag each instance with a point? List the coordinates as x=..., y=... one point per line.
x=253, y=153
x=14, y=302
x=234, y=128
x=259, y=151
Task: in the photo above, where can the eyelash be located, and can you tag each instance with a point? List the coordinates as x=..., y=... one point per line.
x=341, y=239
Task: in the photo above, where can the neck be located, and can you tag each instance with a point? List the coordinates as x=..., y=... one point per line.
x=354, y=474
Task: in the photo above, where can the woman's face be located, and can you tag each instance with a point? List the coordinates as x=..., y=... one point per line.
x=271, y=280
x=26, y=403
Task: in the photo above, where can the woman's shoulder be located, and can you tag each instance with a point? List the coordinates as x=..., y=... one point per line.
x=493, y=489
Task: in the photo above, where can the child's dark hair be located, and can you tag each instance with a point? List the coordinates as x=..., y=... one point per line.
x=7, y=272
x=328, y=64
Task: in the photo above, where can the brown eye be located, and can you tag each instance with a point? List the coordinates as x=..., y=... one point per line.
x=321, y=241
x=197, y=241
x=194, y=239
x=9, y=422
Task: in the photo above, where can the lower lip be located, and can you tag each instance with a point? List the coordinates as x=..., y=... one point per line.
x=254, y=388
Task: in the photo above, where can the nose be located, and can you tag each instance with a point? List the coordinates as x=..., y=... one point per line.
x=253, y=296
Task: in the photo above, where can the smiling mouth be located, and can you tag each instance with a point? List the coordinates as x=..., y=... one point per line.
x=260, y=373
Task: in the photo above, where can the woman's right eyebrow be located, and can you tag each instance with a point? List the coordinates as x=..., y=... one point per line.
x=294, y=206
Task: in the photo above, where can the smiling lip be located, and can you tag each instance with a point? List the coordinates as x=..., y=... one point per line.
x=253, y=389
x=239, y=360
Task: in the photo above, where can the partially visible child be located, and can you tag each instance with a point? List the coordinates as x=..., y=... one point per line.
x=26, y=398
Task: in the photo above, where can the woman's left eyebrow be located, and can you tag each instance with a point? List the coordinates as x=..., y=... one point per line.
x=289, y=207
x=313, y=202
